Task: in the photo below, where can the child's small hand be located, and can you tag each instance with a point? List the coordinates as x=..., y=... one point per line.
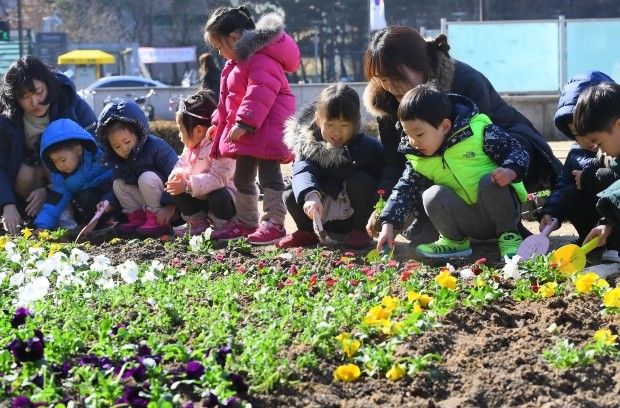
x=235, y=133
x=104, y=206
x=386, y=236
x=311, y=206
x=176, y=185
x=165, y=214
x=577, y=174
x=602, y=232
x=544, y=221
x=503, y=176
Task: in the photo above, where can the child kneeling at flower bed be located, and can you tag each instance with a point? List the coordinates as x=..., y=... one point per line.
x=336, y=170
x=597, y=118
x=462, y=170
x=141, y=164
x=78, y=180
x=201, y=187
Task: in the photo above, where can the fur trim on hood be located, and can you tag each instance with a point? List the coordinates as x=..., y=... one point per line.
x=303, y=136
x=380, y=102
x=123, y=111
x=267, y=28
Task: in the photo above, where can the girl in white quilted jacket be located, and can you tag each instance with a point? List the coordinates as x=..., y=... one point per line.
x=202, y=187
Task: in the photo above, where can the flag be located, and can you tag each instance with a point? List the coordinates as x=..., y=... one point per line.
x=377, y=15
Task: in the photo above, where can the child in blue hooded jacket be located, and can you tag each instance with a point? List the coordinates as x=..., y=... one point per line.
x=142, y=164
x=77, y=177
x=585, y=172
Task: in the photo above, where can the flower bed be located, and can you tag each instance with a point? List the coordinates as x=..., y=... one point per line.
x=190, y=323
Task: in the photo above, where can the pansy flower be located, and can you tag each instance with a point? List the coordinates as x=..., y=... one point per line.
x=29, y=350
x=19, y=317
x=347, y=373
x=194, y=370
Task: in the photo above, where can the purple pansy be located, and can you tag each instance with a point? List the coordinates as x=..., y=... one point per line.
x=29, y=350
x=131, y=396
x=238, y=383
x=24, y=402
x=211, y=401
x=220, y=357
x=19, y=317
x=194, y=370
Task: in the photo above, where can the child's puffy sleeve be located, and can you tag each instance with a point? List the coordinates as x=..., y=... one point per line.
x=221, y=172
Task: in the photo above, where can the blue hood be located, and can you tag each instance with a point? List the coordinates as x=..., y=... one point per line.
x=61, y=130
x=570, y=93
x=123, y=111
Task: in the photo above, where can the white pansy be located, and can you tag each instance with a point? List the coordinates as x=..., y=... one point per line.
x=450, y=268
x=79, y=257
x=3, y=276
x=511, y=268
x=128, y=271
x=15, y=257
x=157, y=265
x=149, y=276
x=195, y=243
x=17, y=279
x=36, y=252
x=35, y=290
x=9, y=247
x=322, y=325
x=466, y=274
x=46, y=267
x=106, y=283
x=100, y=263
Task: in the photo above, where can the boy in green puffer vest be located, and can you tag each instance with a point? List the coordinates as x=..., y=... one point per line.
x=462, y=170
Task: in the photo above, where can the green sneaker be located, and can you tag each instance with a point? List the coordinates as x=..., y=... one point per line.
x=509, y=243
x=445, y=248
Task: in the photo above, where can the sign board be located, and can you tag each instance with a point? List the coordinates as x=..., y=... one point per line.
x=48, y=46
x=150, y=55
x=84, y=75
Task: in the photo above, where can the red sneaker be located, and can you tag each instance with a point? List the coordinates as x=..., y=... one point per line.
x=267, y=233
x=297, y=239
x=192, y=227
x=151, y=228
x=231, y=230
x=359, y=239
x=135, y=219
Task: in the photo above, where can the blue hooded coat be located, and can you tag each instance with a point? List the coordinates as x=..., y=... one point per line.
x=89, y=173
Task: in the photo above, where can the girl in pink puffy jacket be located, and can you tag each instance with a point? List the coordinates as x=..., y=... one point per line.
x=255, y=100
x=201, y=187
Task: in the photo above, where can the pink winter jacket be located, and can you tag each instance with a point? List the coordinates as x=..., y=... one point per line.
x=206, y=174
x=255, y=91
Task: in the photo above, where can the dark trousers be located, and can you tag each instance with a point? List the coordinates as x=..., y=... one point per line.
x=85, y=202
x=219, y=202
x=361, y=189
x=581, y=212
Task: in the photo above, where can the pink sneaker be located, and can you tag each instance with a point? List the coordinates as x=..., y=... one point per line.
x=192, y=227
x=231, y=230
x=267, y=233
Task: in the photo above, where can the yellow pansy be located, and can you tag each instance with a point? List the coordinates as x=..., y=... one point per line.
x=548, y=289
x=396, y=372
x=445, y=280
x=376, y=314
x=584, y=282
x=27, y=233
x=115, y=241
x=417, y=308
x=343, y=336
x=480, y=282
x=396, y=327
x=390, y=303
x=347, y=373
x=425, y=300
x=612, y=298
x=44, y=235
x=605, y=336
x=3, y=241
x=412, y=296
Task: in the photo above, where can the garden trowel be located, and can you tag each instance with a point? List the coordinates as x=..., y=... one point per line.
x=93, y=222
x=571, y=258
x=537, y=243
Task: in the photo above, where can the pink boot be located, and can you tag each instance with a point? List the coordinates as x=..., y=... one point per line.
x=135, y=220
x=151, y=228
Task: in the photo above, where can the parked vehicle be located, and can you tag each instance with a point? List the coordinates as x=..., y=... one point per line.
x=141, y=101
x=121, y=81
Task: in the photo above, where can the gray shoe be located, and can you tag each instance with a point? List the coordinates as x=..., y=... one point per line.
x=610, y=256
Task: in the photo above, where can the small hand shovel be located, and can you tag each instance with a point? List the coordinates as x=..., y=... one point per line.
x=571, y=258
x=93, y=222
x=318, y=226
x=538, y=243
